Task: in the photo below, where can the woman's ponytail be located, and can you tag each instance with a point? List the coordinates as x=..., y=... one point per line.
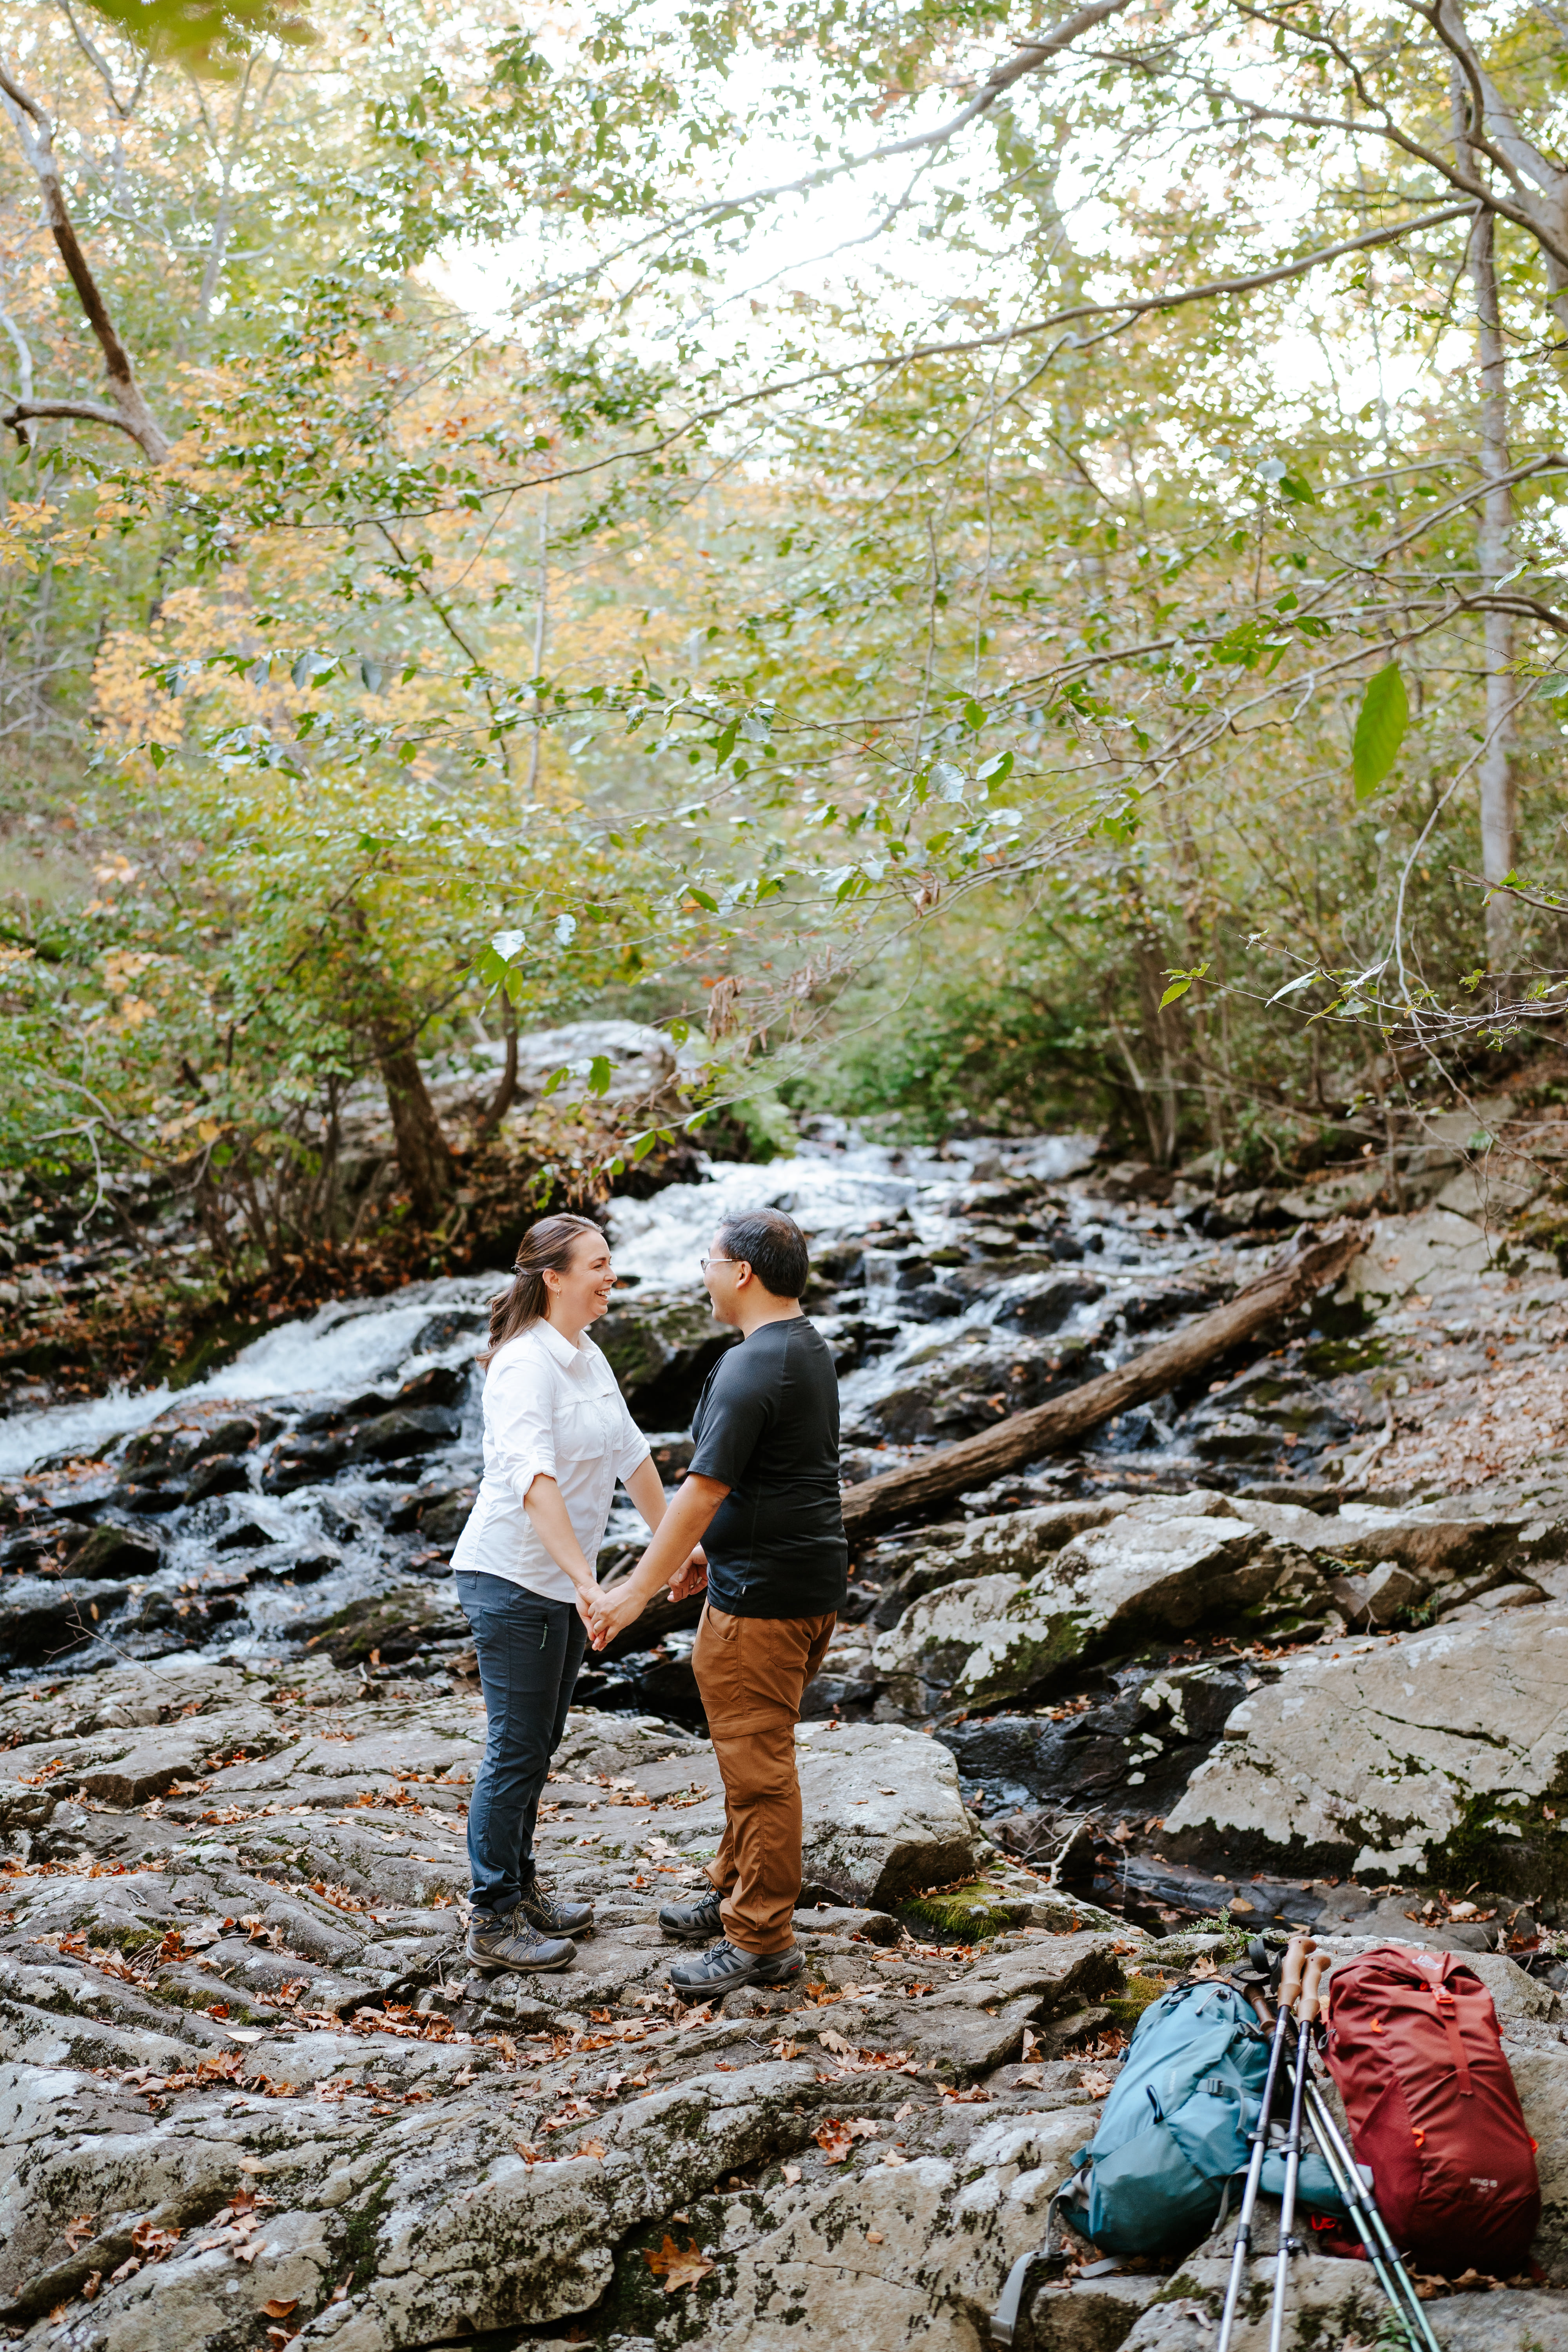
x=550, y=1244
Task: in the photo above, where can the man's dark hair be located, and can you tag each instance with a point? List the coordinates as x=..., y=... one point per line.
x=773, y=1245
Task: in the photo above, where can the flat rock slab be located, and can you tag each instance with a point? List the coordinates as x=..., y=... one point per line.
x=1409, y=1756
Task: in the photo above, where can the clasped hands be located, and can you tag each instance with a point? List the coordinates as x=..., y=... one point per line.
x=608, y=1612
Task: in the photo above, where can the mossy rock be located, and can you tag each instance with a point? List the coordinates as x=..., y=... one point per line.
x=398, y=1625
x=1139, y=1993
x=970, y=1913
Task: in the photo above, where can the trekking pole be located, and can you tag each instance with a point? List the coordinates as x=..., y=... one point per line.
x=1296, y=1953
x=1386, y=2268
x=1385, y=2256
x=1307, y=2011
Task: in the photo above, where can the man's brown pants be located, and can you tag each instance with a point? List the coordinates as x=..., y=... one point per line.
x=753, y=1672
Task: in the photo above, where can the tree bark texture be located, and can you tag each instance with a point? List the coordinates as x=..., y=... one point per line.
x=424, y=1156
x=1494, y=561
x=1047, y=1428
x=129, y=410
x=505, y=1095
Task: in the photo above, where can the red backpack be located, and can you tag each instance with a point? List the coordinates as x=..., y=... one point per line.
x=1412, y=2044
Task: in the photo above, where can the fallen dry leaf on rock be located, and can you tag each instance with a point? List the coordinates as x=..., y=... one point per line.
x=677, y=2267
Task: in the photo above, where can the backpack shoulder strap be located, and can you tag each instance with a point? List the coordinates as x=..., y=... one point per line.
x=1004, y=2319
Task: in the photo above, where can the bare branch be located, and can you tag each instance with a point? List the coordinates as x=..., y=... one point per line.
x=92, y=412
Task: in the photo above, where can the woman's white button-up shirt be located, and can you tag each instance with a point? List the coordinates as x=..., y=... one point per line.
x=551, y=1409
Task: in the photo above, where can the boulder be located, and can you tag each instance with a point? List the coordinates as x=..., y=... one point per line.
x=48, y=1617
x=1018, y=1543
x=112, y=1552
x=1433, y=1251
x=1163, y=1566
x=1442, y=1754
x=882, y=1812
x=661, y=1347
x=973, y=1383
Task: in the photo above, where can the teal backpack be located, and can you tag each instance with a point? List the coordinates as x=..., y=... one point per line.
x=1173, y=2139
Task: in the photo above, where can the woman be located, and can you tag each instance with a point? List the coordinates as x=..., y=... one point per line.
x=557, y=1436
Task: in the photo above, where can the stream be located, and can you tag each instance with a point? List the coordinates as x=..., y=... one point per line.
x=310, y=1491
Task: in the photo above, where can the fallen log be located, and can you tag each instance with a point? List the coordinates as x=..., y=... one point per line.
x=1309, y=1266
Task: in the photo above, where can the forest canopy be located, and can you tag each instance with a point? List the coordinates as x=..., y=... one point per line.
x=975, y=570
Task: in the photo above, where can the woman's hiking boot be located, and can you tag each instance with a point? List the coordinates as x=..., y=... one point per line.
x=493, y=1945
x=550, y=1917
x=697, y=1922
x=707, y=1976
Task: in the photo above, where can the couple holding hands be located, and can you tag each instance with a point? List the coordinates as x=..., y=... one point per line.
x=756, y=1523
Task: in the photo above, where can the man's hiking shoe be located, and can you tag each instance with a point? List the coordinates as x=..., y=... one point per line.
x=707, y=1976
x=550, y=1916
x=695, y=1923
x=497, y=1944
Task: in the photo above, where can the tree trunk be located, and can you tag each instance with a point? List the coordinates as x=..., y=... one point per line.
x=424, y=1156
x=1494, y=554
x=1025, y=1436
x=501, y=1101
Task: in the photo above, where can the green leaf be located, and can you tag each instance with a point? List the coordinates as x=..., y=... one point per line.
x=974, y=716
x=1379, y=730
x=1180, y=983
x=710, y=904
x=599, y=1076
x=995, y=770
x=204, y=38
x=1302, y=980
x=643, y=1145
x=556, y=1079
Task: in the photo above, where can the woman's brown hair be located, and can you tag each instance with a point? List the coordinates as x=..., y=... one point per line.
x=550, y=1244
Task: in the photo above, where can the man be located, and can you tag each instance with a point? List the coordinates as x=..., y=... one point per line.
x=763, y=1489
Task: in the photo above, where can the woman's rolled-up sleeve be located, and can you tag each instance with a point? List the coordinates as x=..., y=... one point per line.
x=522, y=1423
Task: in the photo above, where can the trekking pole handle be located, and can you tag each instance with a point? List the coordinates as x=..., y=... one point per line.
x=1296, y=1952
x=1312, y=2002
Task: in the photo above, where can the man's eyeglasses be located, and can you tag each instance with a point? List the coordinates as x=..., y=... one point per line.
x=706, y=1262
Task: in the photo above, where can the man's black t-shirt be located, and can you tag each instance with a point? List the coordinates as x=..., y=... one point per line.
x=766, y=1425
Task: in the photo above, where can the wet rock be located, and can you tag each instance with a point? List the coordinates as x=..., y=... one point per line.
x=973, y=1384
x=396, y=1436
x=1435, y=1753
x=50, y=1617
x=41, y=1546
x=1045, y=1305
x=1166, y=1564
x=173, y=1445
x=661, y=1346
x=113, y=1551
x=397, y=1625
x=1137, y=1748
x=303, y=1462
x=440, y=1513
x=224, y=1475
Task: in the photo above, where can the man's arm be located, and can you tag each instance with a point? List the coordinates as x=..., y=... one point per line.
x=679, y=1533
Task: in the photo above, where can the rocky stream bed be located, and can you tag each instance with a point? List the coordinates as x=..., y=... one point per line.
x=1288, y=1648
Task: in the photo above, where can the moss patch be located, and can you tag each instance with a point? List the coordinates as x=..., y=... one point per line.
x=970, y=1913
x=1137, y=1995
